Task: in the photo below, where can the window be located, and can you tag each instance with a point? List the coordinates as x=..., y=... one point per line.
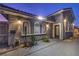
x=43, y=28
x=36, y=27
x=25, y=28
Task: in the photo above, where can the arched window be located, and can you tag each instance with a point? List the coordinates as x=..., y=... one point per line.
x=43, y=28
x=36, y=27
x=25, y=28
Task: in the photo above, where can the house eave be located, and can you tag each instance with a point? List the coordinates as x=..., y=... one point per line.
x=12, y=11
x=59, y=11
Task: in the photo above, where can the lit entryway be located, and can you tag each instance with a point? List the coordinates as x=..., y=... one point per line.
x=56, y=31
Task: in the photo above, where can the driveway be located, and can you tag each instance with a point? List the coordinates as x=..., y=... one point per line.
x=54, y=48
x=27, y=51
x=65, y=48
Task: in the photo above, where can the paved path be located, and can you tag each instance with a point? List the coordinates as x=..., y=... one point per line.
x=27, y=51
x=55, y=48
x=64, y=48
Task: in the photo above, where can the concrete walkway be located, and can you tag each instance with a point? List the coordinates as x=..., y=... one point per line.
x=27, y=51
x=5, y=50
x=64, y=48
x=53, y=48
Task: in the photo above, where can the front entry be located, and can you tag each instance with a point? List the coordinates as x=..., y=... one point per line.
x=25, y=25
x=56, y=31
x=3, y=34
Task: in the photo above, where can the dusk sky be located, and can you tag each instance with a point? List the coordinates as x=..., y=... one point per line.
x=46, y=9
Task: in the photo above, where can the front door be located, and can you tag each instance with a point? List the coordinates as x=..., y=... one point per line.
x=56, y=30
x=25, y=25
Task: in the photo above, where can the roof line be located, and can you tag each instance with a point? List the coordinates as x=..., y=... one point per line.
x=17, y=11
x=58, y=11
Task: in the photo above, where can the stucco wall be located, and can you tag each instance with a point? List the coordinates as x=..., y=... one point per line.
x=19, y=28
x=59, y=20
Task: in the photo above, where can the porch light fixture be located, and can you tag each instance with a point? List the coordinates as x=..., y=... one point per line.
x=65, y=21
x=47, y=26
x=40, y=17
x=19, y=22
x=73, y=24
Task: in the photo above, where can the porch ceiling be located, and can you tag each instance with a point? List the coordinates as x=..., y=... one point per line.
x=2, y=18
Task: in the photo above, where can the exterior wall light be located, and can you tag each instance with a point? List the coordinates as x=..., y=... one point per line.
x=40, y=18
x=47, y=27
x=65, y=21
x=19, y=22
x=65, y=24
x=73, y=24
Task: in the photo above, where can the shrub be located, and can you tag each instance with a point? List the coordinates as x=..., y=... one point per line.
x=32, y=40
x=45, y=38
x=17, y=42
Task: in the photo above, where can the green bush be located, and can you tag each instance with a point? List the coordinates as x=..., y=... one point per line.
x=17, y=42
x=32, y=40
x=45, y=38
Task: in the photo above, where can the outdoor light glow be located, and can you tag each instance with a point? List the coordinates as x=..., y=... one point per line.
x=65, y=21
x=73, y=24
x=19, y=22
x=40, y=17
x=47, y=26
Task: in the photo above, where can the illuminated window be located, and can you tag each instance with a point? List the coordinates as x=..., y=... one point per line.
x=25, y=28
x=37, y=27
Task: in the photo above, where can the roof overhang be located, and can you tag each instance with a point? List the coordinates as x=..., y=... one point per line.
x=8, y=10
x=2, y=18
x=58, y=12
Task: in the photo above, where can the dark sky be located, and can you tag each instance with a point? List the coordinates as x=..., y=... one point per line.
x=44, y=9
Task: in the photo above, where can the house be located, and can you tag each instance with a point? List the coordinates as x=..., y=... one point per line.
x=62, y=23
x=76, y=32
x=3, y=30
x=21, y=25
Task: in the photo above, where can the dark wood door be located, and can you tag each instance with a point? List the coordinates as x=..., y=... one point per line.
x=57, y=33
x=25, y=27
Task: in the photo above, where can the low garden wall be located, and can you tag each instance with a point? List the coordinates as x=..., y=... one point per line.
x=27, y=37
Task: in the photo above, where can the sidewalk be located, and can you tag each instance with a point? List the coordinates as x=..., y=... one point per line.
x=5, y=50
x=30, y=50
x=27, y=51
x=41, y=45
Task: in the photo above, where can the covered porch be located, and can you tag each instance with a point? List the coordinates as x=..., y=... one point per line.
x=3, y=31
